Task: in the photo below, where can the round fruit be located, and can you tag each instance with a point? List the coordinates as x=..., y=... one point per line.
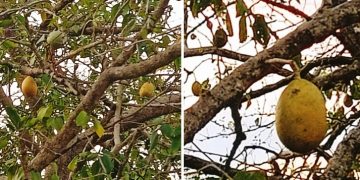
x=147, y=89
x=301, y=116
x=196, y=88
x=29, y=87
x=220, y=38
x=56, y=39
x=348, y=101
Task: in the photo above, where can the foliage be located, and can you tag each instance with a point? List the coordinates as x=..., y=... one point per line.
x=92, y=36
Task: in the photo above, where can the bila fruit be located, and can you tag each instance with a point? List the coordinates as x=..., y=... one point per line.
x=56, y=39
x=301, y=116
x=29, y=87
x=196, y=88
x=147, y=90
x=220, y=38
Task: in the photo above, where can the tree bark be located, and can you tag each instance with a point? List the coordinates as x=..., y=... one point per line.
x=340, y=165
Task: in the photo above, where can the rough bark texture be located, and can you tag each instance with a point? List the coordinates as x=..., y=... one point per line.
x=349, y=37
x=345, y=154
x=233, y=86
x=194, y=162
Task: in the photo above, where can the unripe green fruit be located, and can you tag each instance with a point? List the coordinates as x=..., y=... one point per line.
x=56, y=39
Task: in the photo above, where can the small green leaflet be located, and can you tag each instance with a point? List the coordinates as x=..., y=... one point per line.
x=82, y=119
x=98, y=128
x=14, y=117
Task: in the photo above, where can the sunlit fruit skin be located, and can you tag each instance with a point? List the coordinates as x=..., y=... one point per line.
x=220, y=38
x=147, y=90
x=29, y=87
x=196, y=88
x=301, y=116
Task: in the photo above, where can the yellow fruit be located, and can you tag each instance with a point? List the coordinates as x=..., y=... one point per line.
x=196, y=88
x=29, y=87
x=147, y=89
x=301, y=116
x=220, y=38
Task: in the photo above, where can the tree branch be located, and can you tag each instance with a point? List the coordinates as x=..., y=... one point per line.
x=340, y=165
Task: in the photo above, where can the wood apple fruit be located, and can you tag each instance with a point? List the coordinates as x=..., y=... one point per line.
x=29, y=87
x=301, y=116
x=220, y=38
x=147, y=90
x=196, y=88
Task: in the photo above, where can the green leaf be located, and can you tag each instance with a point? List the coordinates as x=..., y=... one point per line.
x=54, y=177
x=45, y=112
x=82, y=119
x=114, y=11
x=127, y=19
x=144, y=33
x=242, y=29
x=32, y=122
x=108, y=164
x=167, y=130
x=165, y=42
x=355, y=90
x=134, y=154
x=261, y=30
x=56, y=123
x=243, y=175
x=14, y=117
x=241, y=8
x=177, y=63
x=154, y=139
x=35, y=175
x=95, y=168
x=9, y=44
x=128, y=27
x=72, y=165
x=175, y=144
x=177, y=131
x=6, y=23
x=98, y=128
x=3, y=141
x=20, y=19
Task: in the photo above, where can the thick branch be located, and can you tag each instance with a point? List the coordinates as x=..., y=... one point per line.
x=4, y=99
x=197, y=163
x=340, y=165
x=214, y=50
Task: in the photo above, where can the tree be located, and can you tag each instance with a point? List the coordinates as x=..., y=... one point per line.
x=89, y=59
x=254, y=152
